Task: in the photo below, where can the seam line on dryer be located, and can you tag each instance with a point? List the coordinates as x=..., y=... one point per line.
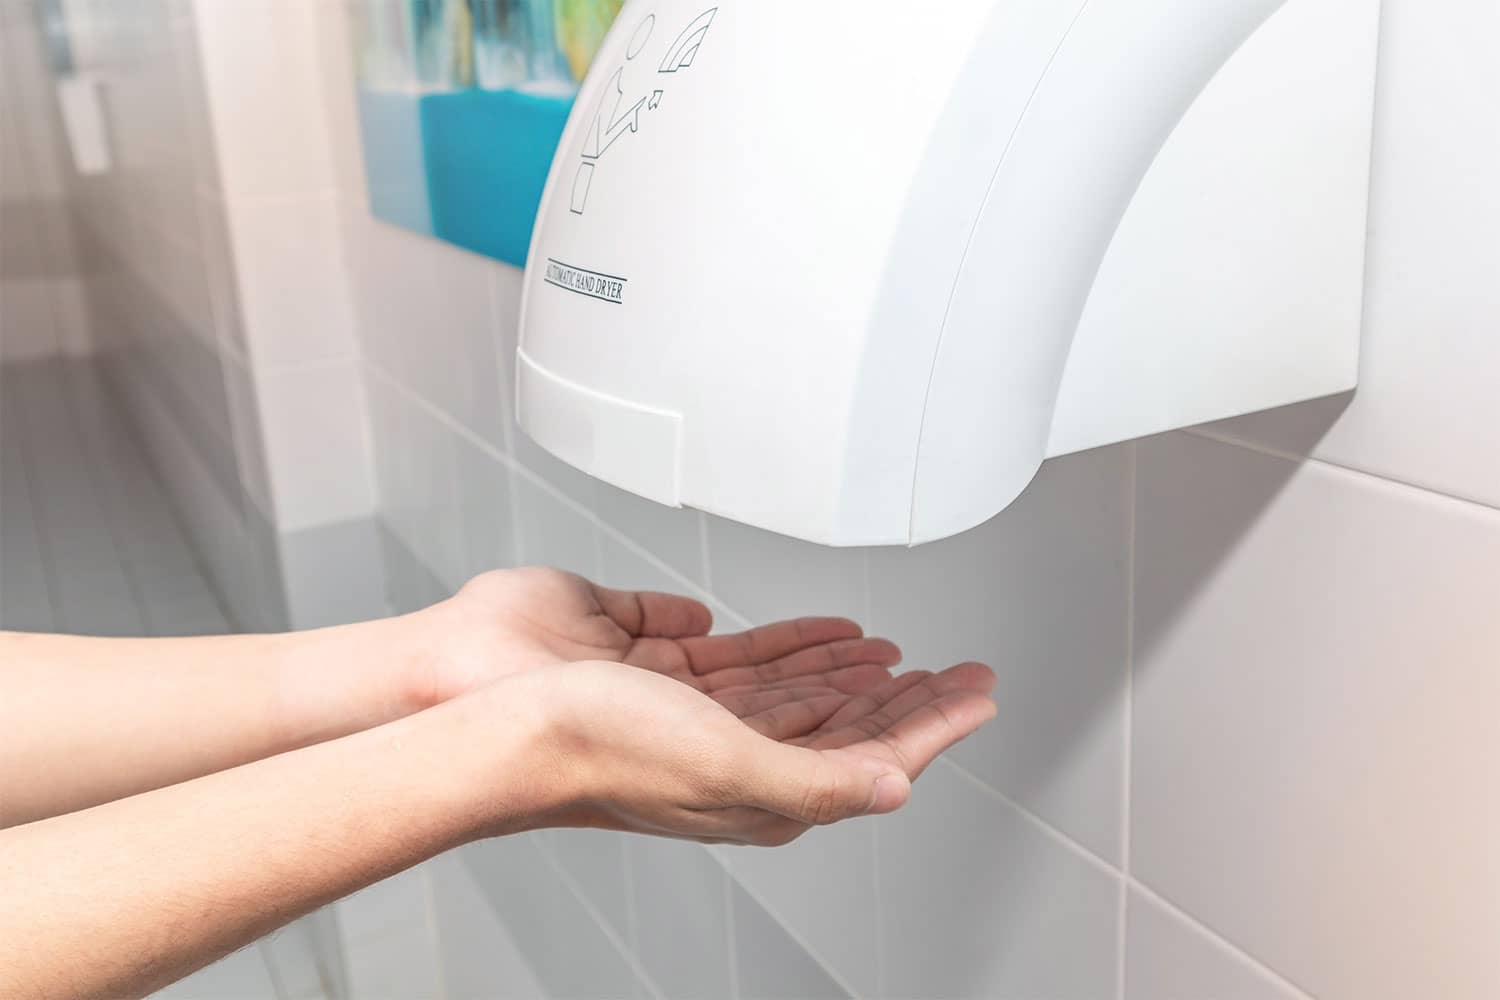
x=968, y=245
x=522, y=356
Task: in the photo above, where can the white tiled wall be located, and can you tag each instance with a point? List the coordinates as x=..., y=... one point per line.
x=216, y=288
x=262, y=83
x=41, y=294
x=1247, y=699
x=1248, y=674
x=212, y=281
x=1316, y=687
x=153, y=240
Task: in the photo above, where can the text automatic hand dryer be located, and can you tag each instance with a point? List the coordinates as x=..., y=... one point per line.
x=850, y=270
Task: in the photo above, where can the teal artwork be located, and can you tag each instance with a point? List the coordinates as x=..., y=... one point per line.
x=461, y=105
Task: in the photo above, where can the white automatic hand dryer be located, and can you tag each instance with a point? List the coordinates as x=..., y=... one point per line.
x=850, y=270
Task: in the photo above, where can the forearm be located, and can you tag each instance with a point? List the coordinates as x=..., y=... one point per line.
x=87, y=720
x=122, y=898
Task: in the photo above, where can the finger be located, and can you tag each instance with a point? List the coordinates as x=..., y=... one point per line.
x=830, y=656
x=748, y=701
x=794, y=718
x=767, y=642
x=875, y=724
x=915, y=740
x=664, y=656
x=850, y=680
x=814, y=659
x=903, y=695
x=819, y=787
x=647, y=613
x=915, y=727
x=864, y=704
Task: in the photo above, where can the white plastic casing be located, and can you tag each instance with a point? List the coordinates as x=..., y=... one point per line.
x=850, y=271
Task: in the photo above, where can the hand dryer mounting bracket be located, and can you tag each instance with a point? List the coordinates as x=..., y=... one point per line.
x=850, y=271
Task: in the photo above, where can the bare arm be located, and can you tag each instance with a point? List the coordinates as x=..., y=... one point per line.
x=122, y=898
x=88, y=720
x=85, y=721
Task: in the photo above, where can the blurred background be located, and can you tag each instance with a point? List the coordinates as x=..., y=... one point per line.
x=1248, y=673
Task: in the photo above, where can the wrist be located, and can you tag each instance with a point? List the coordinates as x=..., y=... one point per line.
x=331, y=682
x=499, y=764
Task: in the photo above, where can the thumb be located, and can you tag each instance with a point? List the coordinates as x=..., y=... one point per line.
x=818, y=787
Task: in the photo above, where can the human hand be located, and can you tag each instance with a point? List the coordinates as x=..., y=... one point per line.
x=635, y=750
x=507, y=621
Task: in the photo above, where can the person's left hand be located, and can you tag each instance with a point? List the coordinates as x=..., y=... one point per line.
x=602, y=745
x=791, y=675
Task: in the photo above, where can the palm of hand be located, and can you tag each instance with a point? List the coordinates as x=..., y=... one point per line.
x=813, y=683
x=662, y=758
x=513, y=620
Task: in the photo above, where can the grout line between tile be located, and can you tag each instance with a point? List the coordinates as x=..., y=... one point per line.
x=642, y=552
x=519, y=468
x=94, y=468
x=507, y=423
x=443, y=417
x=1044, y=827
x=719, y=854
x=704, y=559
x=866, y=587
x=518, y=541
x=16, y=468
x=1220, y=941
x=631, y=958
x=217, y=309
x=43, y=544
x=162, y=231
x=632, y=924
x=328, y=954
x=263, y=949
x=253, y=199
x=509, y=394
x=274, y=369
x=1130, y=882
x=429, y=914
x=1342, y=468
x=1122, y=926
x=171, y=502
x=878, y=887
x=1121, y=873
x=596, y=541
x=726, y=888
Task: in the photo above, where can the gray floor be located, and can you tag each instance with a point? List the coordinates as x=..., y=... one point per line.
x=88, y=541
x=89, y=544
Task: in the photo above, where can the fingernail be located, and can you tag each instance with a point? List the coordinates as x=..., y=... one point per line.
x=890, y=793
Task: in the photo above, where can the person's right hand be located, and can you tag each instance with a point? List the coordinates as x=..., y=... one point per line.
x=628, y=749
x=507, y=621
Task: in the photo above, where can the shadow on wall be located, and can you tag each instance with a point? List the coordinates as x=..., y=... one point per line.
x=1043, y=593
x=974, y=898
x=1200, y=544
